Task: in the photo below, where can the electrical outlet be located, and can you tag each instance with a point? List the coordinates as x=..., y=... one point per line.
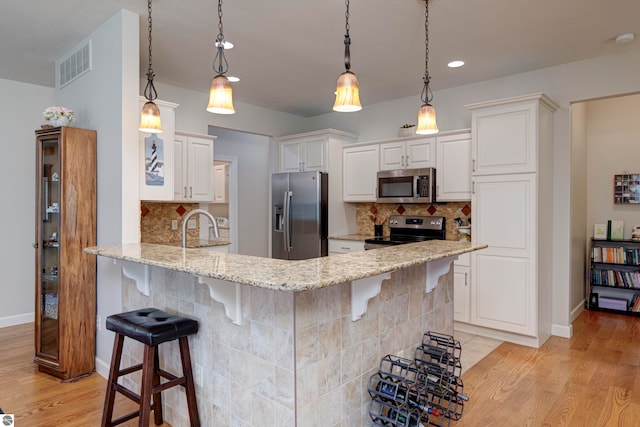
x=191, y=224
x=174, y=224
x=98, y=323
x=199, y=375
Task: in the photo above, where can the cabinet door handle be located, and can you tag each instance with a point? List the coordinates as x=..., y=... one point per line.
x=465, y=279
x=438, y=190
x=342, y=247
x=35, y=245
x=473, y=187
x=191, y=192
x=473, y=165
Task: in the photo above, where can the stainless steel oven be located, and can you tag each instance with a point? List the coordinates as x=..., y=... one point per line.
x=407, y=186
x=409, y=229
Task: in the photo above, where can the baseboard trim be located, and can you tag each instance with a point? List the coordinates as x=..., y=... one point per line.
x=499, y=335
x=18, y=319
x=562, y=330
x=102, y=368
x=579, y=308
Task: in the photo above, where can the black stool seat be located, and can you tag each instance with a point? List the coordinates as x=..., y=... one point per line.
x=151, y=326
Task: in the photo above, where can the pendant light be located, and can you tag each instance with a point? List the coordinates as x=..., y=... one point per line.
x=347, y=91
x=150, y=115
x=220, y=96
x=427, y=114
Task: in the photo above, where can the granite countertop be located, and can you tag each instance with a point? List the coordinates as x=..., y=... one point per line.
x=285, y=275
x=354, y=237
x=200, y=243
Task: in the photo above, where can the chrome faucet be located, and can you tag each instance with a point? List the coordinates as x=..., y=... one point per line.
x=192, y=213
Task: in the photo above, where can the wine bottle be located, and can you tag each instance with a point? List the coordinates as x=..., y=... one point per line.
x=399, y=394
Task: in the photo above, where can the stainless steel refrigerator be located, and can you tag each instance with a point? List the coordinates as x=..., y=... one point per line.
x=299, y=215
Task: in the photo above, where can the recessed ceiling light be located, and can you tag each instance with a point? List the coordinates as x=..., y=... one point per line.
x=226, y=44
x=455, y=64
x=624, y=38
x=233, y=79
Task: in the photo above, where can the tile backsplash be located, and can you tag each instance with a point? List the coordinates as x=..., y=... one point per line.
x=365, y=212
x=155, y=222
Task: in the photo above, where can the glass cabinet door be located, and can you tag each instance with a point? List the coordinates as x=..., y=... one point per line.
x=48, y=243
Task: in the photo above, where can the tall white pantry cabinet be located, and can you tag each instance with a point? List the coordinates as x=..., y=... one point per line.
x=512, y=142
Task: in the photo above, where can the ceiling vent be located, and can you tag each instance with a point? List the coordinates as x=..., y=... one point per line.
x=74, y=64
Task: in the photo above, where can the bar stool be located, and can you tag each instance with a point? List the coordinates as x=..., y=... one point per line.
x=151, y=327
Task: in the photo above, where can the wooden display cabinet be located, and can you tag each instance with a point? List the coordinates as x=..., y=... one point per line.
x=65, y=276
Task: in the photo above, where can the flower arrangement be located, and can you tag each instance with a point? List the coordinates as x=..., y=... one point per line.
x=407, y=129
x=58, y=114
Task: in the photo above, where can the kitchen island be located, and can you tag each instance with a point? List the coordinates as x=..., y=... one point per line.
x=289, y=343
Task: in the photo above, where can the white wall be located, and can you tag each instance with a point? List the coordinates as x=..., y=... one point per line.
x=106, y=99
x=191, y=115
x=576, y=81
x=254, y=153
x=20, y=115
x=579, y=211
x=613, y=141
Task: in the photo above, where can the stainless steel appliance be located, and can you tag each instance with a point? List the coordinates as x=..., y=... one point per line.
x=299, y=215
x=407, y=186
x=409, y=229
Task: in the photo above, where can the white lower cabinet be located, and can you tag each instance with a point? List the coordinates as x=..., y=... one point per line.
x=359, y=173
x=337, y=246
x=503, y=294
x=461, y=293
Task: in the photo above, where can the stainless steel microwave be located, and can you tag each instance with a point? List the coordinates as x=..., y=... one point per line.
x=407, y=186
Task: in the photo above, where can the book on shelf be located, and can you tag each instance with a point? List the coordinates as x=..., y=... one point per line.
x=611, y=255
x=600, y=231
x=617, y=230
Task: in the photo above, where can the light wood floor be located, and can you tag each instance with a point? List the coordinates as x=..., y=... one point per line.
x=41, y=400
x=592, y=379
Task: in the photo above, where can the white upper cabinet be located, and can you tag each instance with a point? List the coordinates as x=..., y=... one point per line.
x=304, y=154
x=505, y=135
x=453, y=167
x=220, y=184
x=158, y=185
x=411, y=153
x=359, y=175
x=193, y=178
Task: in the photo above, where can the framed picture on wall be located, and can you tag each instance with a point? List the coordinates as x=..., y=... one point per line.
x=626, y=189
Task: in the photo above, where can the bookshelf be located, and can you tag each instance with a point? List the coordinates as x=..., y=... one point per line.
x=613, y=282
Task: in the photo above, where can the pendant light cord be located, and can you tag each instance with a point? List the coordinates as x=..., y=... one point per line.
x=223, y=65
x=427, y=95
x=347, y=39
x=150, y=90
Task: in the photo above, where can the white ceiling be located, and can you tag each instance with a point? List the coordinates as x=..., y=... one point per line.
x=289, y=53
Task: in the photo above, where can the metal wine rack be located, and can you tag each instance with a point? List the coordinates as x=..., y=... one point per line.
x=426, y=391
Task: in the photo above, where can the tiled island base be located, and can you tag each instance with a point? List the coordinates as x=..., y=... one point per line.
x=297, y=359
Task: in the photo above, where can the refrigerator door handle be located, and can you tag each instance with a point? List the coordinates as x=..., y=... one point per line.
x=287, y=223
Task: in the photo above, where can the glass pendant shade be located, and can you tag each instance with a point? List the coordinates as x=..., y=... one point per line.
x=220, y=96
x=427, y=120
x=347, y=93
x=150, y=118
